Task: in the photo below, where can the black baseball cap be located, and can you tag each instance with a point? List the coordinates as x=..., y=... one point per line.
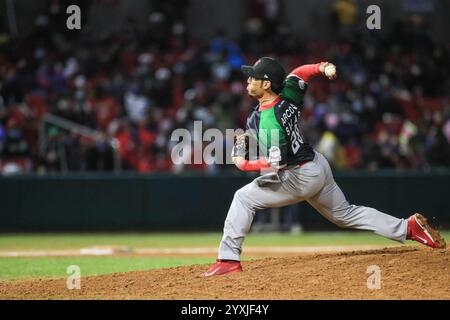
x=266, y=68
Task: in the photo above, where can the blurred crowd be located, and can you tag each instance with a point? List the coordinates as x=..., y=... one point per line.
x=389, y=107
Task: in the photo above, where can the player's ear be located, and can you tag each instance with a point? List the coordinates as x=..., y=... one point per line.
x=267, y=85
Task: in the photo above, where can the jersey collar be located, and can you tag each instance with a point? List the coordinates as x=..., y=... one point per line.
x=270, y=105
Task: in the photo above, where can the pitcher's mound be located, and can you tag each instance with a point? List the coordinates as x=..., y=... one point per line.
x=404, y=273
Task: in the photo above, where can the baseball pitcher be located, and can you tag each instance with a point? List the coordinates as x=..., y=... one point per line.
x=293, y=170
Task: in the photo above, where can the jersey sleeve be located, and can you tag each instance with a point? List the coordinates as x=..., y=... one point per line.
x=307, y=71
x=254, y=165
x=295, y=84
x=294, y=89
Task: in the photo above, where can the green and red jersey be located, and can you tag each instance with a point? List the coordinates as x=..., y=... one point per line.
x=276, y=126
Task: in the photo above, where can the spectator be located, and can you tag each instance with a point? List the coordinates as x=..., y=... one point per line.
x=389, y=108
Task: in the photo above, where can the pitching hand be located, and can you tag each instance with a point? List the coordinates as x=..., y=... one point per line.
x=328, y=70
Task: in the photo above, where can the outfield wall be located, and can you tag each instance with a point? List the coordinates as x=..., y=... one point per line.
x=103, y=202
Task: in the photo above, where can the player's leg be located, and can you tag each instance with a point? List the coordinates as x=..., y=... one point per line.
x=240, y=216
x=332, y=204
x=263, y=192
x=268, y=191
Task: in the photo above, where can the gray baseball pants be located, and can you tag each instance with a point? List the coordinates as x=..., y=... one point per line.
x=313, y=182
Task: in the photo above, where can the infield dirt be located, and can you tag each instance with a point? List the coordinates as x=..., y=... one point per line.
x=406, y=273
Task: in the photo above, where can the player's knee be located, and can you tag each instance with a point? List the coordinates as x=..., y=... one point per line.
x=341, y=218
x=240, y=195
x=341, y=223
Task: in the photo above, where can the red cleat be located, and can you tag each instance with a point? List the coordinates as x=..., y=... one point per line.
x=420, y=231
x=223, y=267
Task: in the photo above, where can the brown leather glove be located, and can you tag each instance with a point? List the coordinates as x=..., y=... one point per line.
x=241, y=146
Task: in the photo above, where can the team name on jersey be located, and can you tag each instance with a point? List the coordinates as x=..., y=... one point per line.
x=288, y=113
x=289, y=120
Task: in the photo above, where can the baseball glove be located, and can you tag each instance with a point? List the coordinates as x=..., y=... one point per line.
x=241, y=146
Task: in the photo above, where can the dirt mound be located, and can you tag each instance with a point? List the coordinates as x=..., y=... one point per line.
x=406, y=273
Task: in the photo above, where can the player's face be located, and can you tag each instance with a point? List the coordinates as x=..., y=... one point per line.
x=255, y=88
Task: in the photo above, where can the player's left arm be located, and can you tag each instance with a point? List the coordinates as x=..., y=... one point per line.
x=274, y=147
x=240, y=155
x=251, y=165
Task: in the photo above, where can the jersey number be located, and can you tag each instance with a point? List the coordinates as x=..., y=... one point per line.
x=296, y=140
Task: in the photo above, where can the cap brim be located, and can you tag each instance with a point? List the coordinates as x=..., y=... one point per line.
x=248, y=71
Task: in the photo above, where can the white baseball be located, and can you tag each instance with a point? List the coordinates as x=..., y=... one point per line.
x=330, y=70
